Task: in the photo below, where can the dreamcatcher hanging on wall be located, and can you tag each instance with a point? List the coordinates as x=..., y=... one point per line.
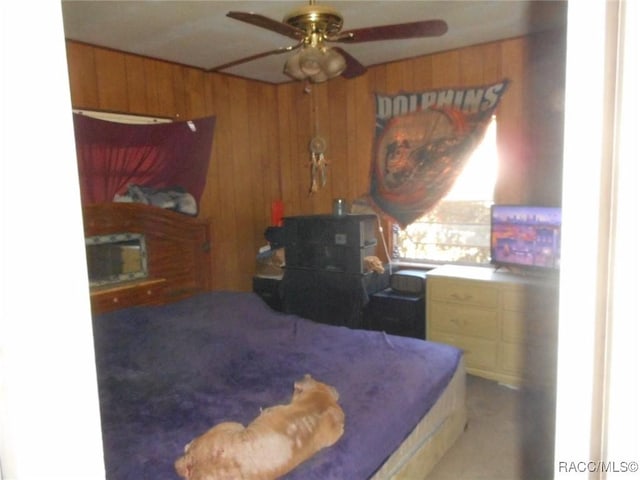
x=318, y=163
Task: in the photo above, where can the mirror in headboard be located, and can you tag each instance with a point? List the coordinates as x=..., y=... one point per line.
x=116, y=258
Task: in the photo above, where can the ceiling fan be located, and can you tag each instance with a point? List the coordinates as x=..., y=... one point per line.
x=314, y=27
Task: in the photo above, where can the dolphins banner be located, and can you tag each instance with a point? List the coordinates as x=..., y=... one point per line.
x=422, y=142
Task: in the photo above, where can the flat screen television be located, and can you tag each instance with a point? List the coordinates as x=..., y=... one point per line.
x=525, y=236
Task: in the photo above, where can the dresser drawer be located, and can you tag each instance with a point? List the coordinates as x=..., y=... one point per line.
x=478, y=353
x=513, y=357
x=532, y=362
x=463, y=320
x=466, y=293
x=528, y=327
x=534, y=300
x=148, y=292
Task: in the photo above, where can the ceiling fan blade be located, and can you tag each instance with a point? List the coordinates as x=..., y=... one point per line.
x=255, y=57
x=425, y=28
x=354, y=67
x=268, y=23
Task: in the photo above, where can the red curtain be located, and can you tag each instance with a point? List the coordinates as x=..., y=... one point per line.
x=112, y=156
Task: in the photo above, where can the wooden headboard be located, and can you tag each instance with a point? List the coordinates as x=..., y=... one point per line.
x=178, y=254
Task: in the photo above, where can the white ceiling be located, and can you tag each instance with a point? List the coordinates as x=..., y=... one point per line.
x=199, y=34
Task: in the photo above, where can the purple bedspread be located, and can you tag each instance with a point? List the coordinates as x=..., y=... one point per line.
x=169, y=373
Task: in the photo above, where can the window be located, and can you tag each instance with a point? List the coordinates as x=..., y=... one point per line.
x=457, y=230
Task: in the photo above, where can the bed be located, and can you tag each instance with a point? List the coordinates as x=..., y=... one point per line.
x=168, y=371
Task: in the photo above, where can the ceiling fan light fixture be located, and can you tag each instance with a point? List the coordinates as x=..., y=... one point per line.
x=316, y=64
x=334, y=63
x=292, y=67
x=319, y=77
x=311, y=61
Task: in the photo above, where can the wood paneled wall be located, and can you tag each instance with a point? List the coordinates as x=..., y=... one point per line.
x=260, y=150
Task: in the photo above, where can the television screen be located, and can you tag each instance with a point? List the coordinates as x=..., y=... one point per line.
x=526, y=236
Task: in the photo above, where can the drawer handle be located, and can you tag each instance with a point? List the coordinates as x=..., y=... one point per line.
x=462, y=298
x=115, y=300
x=458, y=322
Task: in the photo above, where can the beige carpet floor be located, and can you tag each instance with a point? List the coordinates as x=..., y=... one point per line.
x=509, y=435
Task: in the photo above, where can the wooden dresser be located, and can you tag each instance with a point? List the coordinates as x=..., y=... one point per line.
x=505, y=323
